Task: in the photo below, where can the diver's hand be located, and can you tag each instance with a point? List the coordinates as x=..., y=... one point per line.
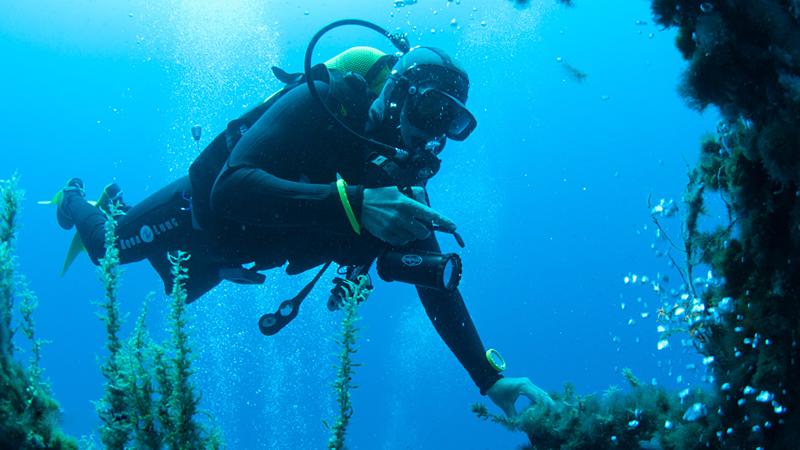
x=396, y=219
x=506, y=391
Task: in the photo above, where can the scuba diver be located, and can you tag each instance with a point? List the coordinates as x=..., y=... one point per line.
x=331, y=168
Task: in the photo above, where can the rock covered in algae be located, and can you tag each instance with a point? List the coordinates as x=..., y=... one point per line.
x=744, y=58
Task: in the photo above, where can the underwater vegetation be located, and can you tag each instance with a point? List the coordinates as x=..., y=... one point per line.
x=645, y=416
x=149, y=399
x=185, y=430
x=355, y=293
x=744, y=58
x=29, y=415
x=112, y=408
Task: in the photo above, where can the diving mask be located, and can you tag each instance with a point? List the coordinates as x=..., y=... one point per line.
x=438, y=113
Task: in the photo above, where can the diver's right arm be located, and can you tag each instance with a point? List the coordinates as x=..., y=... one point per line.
x=293, y=137
x=384, y=212
x=291, y=141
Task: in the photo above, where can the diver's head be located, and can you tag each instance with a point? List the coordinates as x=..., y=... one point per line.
x=423, y=99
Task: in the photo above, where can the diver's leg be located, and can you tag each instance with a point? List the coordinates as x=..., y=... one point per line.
x=160, y=223
x=74, y=211
x=152, y=229
x=71, y=193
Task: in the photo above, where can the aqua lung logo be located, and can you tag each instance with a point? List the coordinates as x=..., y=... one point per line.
x=148, y=234
x=412, y=260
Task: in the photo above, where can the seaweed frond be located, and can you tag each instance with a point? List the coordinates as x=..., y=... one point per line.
x=113, y=408
x=28, y=413
x=355, y=292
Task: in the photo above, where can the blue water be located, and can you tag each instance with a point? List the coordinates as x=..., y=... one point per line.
x=550, y=194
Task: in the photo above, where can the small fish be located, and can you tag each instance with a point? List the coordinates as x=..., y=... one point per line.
x=573, y=72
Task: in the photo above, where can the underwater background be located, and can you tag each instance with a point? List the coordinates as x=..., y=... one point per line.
x=550, y=194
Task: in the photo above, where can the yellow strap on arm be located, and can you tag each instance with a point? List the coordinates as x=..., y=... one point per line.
x=348, y=210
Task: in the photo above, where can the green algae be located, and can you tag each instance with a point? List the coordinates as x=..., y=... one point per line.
x=355, y=293
x=745, y=60
x=29, y=415
x=640, y=416
x=148, y=401
x=113, y=408
x=186, y=431
x=149, y=398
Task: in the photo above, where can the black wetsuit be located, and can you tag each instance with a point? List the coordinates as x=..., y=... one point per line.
x=275, y=201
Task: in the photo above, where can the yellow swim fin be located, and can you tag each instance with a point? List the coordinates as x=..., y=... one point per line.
x=57, y=198
x=75, y=249
x=54, y=201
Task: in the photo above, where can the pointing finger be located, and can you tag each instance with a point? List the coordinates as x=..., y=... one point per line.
x=429, y=215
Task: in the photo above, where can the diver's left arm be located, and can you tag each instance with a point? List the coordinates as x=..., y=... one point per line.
x=449, y=315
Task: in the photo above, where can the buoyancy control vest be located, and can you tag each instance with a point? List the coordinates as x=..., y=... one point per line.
x=355, y=77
